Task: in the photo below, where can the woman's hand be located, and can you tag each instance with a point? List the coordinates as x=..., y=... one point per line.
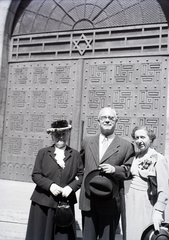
x=107, y=168
x=66, y=191
x=55, y=189
x=157, y=219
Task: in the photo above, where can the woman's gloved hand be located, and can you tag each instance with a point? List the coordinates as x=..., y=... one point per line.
x=157, y=219
x=55, y=189
x=66, y=191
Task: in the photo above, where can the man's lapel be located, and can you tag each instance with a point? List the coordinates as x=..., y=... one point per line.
x=94, y=147
x=113, y=148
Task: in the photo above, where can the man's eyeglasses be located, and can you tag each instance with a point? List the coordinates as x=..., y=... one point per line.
x=104, y=118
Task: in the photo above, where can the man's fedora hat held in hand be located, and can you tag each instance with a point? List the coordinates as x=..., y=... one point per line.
x=100, y=185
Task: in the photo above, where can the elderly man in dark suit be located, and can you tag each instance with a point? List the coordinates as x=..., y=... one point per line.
x=101, y=218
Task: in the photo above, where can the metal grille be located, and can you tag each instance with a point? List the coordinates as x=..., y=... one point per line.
x=141, y=40
x=65, y=15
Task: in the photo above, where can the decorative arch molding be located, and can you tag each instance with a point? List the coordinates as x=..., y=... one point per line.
x=44, y=16
x=85, y=22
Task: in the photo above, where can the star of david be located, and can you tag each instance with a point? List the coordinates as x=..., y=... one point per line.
x=82, y=39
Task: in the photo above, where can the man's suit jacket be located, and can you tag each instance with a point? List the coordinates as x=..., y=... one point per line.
x=119, y=154
x=46, y=171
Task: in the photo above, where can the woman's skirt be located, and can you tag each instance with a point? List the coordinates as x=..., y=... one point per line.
x=41, y=225
x=138, y=213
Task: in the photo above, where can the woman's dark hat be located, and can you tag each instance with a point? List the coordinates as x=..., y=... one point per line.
x=150, y=234
x=101, y=186
x=59, y=125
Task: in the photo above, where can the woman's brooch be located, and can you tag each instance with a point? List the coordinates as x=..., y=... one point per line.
x=147, y=162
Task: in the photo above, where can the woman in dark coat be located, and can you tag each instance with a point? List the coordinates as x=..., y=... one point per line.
x=58, y=173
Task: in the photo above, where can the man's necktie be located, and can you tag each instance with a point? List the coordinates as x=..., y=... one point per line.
x=104, y=146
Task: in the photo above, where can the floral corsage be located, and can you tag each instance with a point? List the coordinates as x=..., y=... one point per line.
x=146, y=166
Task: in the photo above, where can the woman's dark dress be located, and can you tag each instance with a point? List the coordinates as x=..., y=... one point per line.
x=46, y=171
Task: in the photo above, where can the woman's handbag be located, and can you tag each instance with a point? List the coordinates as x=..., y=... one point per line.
x=152, y=189
x=152, y=182
x=63, y=216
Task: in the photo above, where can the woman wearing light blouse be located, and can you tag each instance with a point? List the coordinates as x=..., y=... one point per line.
x=142, y=208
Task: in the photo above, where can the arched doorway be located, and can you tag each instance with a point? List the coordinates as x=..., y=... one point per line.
x=68, y=60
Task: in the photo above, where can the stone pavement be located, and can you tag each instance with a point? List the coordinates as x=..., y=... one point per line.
x=14, y=210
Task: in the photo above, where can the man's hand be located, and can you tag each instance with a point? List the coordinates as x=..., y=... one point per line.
x=66, y=191
x=107, y=168
x=55, y=189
